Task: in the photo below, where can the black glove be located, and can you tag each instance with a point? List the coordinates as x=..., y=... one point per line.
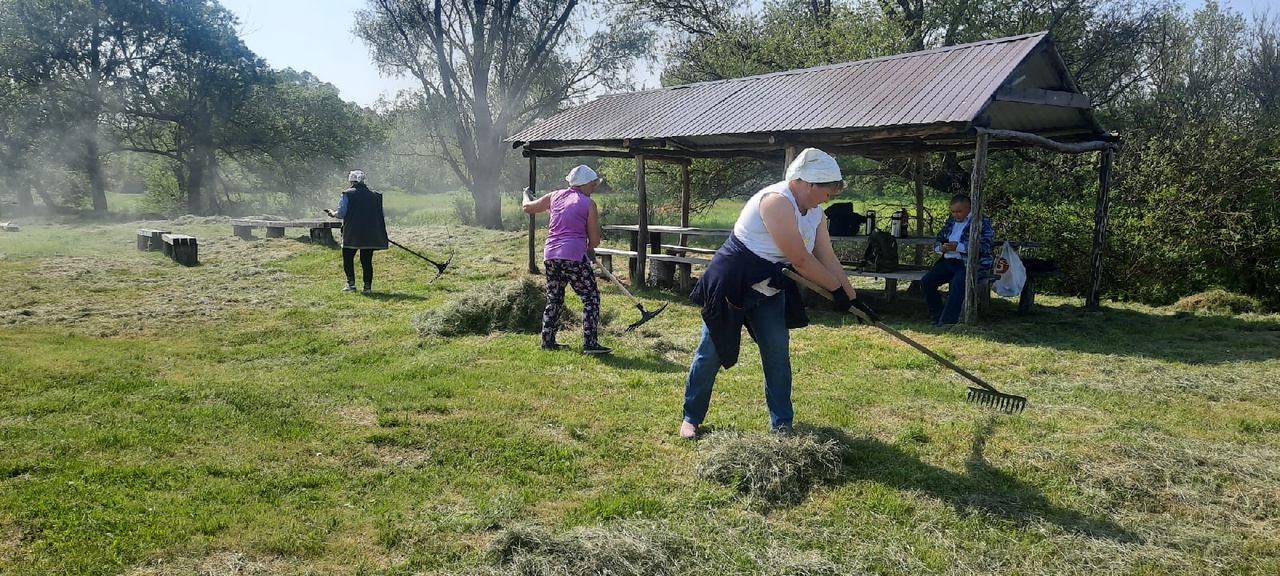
x=840, y=300
x=591, y=255
x=860, y=305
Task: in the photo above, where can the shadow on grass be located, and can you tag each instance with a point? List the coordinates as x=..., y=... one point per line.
x=395, y=297
x=982, y=489
x=1182, y=337
x=650, y=362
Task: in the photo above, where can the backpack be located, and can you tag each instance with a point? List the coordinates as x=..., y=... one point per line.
x=842, y=220
x=882, y=252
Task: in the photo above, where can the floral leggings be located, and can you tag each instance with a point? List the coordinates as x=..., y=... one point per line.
x=561, y=273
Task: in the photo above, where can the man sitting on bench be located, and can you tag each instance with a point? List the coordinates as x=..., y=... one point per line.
x=952, y=244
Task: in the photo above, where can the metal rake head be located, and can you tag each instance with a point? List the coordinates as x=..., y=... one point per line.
x=1010, y=403
x=440, y=267
x=646, y=316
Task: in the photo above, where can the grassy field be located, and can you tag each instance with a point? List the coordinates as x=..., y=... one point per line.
x=246, y=417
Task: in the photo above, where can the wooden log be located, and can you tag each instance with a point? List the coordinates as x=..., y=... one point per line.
x=275, y=231
x=1036, y=140
x=242, y=232
x=323, y=236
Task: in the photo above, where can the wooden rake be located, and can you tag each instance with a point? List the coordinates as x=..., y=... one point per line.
x=987, y=395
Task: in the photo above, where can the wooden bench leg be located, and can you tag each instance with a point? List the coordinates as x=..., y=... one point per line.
x=984, y=295
x=1027, y=299
x=606, y=261
x=322, y=236
x=186, y=254
x=890, y=289
x=686, y=277
x=275, y=232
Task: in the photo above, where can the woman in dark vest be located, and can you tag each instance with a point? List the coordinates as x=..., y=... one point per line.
x=364, y=229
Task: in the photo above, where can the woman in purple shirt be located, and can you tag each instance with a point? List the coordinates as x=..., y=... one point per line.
x=572, y=236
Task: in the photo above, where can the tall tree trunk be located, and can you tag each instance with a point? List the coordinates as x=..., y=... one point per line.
x=93, y=169
x=488, y=201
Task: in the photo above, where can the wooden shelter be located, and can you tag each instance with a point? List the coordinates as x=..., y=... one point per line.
x=997, y=94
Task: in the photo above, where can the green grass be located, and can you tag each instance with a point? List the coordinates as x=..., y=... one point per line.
x=244, y=416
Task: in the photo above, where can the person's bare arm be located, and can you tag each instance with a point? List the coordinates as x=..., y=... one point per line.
x=780, y=220
x=826, y=255
x=593, y=227
x=538, y=205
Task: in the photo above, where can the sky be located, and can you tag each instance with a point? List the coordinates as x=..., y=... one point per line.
x=315, y=36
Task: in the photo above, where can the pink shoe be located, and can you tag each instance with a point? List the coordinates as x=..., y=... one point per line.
x=688, y=430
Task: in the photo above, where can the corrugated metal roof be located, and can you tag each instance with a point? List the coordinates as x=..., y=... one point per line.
x=942, y=88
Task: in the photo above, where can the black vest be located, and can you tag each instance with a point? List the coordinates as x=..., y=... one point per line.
x=364, y=225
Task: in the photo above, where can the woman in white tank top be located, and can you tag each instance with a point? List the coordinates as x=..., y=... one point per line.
x=783, y=223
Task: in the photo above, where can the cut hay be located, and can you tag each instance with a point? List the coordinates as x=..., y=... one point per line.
x=775, y=468
x=621, y=550
x=1218, y=302
x=506, y=306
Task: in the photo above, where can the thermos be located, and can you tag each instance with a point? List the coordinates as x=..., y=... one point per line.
x=899, y=226
x=871, y=221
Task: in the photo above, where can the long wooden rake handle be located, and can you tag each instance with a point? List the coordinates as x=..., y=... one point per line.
x=1016, y=401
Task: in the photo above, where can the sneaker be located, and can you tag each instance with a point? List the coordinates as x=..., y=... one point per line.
x=688, y=430
x=597, y=349
x=349, y=288
x=782, y=430
x=367, y=289
x=554, y=346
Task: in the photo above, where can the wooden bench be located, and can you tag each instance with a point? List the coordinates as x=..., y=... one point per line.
x=320, y=231
x=605, y=255
x=9, y=227
x=181, y=248
x=679, y=250
x=150, y=240
x=676, y=269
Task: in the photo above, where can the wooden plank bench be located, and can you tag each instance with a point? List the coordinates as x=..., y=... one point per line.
x=674, y=269
x=182, y=248
x=150, y=240
x=320, y=231
x=680, y=250
x=605, y=255
x=9, y=226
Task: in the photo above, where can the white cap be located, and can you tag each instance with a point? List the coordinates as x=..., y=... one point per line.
x=356, y=176
x=581, y=175
x=815, y=167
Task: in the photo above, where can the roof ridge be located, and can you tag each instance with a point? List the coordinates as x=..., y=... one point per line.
x=938, y=50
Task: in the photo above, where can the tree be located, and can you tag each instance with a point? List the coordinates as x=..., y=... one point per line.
x=488, y=68
x=188, y=74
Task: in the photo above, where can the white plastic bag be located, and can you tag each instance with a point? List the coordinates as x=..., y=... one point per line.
x=1012, y=273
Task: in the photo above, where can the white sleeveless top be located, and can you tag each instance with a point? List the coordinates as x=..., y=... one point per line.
x=751, y=231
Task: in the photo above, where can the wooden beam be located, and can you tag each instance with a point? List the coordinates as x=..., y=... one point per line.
x=1044, y=97
x=970, y=311
x=533, y=185
x=1100, y=217
x=1041, y=141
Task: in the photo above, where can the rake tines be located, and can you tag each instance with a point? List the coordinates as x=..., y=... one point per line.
x=1010, y=403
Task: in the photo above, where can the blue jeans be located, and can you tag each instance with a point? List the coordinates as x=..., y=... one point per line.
x=946, y=270
x=769, y=325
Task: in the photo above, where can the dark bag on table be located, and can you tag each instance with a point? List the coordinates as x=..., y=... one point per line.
x=842, y=220
x=882, y=252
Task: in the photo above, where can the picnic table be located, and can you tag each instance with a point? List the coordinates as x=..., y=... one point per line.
x=319, y=230
x=672, y=262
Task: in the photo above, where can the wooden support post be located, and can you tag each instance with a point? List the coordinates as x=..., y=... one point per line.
x=791, y=155
x=533, y=185
x=919, y=178
x=1100, y=212
x=685, y=271
x=970, y=312
x=638, y=277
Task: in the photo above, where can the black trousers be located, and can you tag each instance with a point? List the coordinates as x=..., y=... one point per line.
x=366, y=264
